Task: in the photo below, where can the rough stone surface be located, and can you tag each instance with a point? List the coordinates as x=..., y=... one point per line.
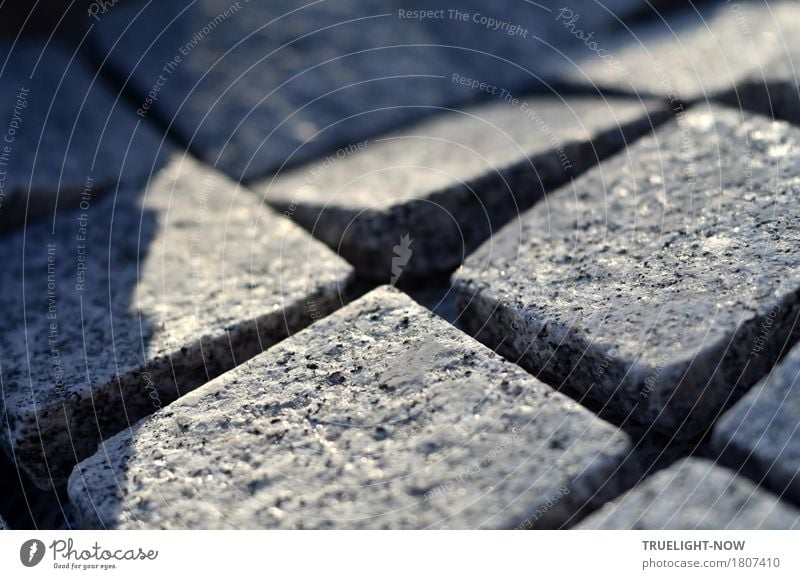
x=260, y=84
x=694, y=53
x=62, y=130
x=381, y=415
x=643, y=286
x=760, y=434
x=446, y=184
x=695, y=494
x=112, y=310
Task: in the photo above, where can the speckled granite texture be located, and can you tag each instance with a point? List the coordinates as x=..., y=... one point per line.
x=585, y=186
x=380, y=416
x=448, y=183
x=645, y=284
x=694, y=494
x=113, y=311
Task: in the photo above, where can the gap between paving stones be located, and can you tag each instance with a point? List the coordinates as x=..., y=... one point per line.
x=375, y=380
x=760, y=434
x=25, y=506
x=637, y=465
x=487, y=307
x=183, y=307
x=416, y=202
x=695, y=494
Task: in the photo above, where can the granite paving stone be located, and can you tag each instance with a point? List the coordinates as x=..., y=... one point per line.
x=642, y=288
x=251, y=86
x=689, y=54
x=695, y=494
x=772, y=89
x=513, y=43
x=382, y=415
x=62, y=131
x=760, y=434
x=115, y=308
x=415, y=202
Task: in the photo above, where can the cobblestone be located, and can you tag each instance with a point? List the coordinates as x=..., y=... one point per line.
x=692, y=54
x=113, y=310
x=645, y=285
x=254, y=85
x=380, y=416
x=772, y=90
x=517, y=43
x=191, y=351
x=62, y=132
x=694, y=494
x=436, y=190
x=760, y=433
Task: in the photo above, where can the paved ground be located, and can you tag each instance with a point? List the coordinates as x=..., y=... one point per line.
x=391, y=264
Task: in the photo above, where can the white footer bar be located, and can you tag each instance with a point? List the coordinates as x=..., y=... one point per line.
x=401, y=554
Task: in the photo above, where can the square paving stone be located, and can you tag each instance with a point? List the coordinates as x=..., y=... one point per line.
x=509, y=43
x=695, y=494
x=115, y=308
x=642, y=287
x=761, y=434
x=251, y=86
x=62, y=131
x=417, y=201
x=380, y=416
x=773, y=89
x=684, y=55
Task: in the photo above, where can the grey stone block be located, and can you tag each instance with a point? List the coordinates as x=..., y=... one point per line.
x=772, y=89
x=643, y=287
x=380, y=416
x=687, y=55
x=252, y=86
x=509, y=43
x=695, y=494
x=760, y=433
x=115, y=308
x=62, y=130
x=417, y=201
